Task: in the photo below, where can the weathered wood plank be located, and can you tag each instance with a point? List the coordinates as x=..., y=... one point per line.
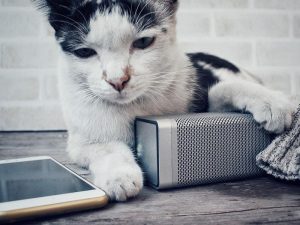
x=255, y=201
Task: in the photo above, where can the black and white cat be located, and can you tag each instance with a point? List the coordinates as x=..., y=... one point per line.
x=120, y=60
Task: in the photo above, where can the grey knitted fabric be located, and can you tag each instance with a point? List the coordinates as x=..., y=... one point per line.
x=282, y=158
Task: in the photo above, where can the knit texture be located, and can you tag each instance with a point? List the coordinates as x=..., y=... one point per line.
x=282, y=157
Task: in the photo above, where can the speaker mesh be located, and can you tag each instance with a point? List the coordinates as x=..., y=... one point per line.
x=231, y=144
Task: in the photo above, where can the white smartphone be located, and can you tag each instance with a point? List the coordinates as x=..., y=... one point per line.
x=41, y=186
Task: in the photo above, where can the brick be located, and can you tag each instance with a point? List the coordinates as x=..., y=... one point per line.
x=252, y=25
x=196, y=4
x=30, y=62
x=297, y=26
x=0, y=55
x=16, y=3
x=47, y=30
x=50, y=87
x=278, y=53
x=275, y=79
x=296, y=84
x=239, y=53
x=277, y=4
x=193, y=24
x=46, y=117
x=19, y=24
x=29, y=54
x=18, y=87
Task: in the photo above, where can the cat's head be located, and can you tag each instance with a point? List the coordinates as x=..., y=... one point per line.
x=116, y=50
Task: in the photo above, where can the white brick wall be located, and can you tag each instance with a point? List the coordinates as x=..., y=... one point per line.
x=263, y=36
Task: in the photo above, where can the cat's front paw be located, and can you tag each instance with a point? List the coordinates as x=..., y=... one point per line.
x=121, y=181
x=274, y=114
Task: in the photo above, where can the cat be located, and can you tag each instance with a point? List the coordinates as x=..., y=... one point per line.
x=119, y=60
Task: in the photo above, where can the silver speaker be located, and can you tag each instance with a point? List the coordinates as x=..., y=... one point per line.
x=196, y=149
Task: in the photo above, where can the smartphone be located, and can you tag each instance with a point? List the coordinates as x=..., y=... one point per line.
x=41, y=186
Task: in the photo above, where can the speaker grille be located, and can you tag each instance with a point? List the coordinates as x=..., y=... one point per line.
x=231, y=144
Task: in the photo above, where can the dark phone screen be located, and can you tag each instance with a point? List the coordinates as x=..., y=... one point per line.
x=40, y=178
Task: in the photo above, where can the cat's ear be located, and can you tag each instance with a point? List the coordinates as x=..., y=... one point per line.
x=56, y=6
x=55, y=9
x=171, y=5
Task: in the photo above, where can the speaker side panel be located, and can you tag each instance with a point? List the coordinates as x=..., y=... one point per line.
x=153, y=137
x=146, y=141
x=165, y=149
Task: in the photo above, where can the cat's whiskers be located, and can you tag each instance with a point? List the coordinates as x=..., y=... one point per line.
x=137, y=9
x=166, y=18
x=86, y=22
x=164, y=96
x=161, y=21
x=156, y=100
x=148, y=21
x=145, y=25
x=187, y=69
x=138, y=17
x=66, y=22
x=87, y=95
x=72, y=20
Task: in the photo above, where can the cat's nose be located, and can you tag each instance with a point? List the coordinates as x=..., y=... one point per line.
x=119, y=83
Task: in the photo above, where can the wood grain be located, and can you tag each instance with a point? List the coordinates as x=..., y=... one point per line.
x=257, y=201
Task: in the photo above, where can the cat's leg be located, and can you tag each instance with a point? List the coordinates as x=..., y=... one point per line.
x=270, y=108
x=112, y=165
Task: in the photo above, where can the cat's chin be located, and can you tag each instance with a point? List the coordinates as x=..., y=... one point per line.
x=120, y=99
x=124, y=98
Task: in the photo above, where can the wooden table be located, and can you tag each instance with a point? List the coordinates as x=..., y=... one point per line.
x=255, y=201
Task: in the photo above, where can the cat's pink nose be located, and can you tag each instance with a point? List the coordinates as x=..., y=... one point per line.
x=120, y=83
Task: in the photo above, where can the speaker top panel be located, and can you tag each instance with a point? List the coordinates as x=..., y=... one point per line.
x=197, y=116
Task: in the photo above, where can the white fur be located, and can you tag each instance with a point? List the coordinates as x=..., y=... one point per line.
x=242, y=91
x=99, y=118
x=270, y=108
x=112, y=164
x=100, y=123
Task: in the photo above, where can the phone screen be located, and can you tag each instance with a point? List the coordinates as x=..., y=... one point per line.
x=39, y=178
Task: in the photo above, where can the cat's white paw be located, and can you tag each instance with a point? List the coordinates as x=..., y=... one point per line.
x=120, y=181
x=274, y=114
x=112, y=165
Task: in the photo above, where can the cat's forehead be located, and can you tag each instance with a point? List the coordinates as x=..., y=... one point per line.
x=140, y=13
x=102, y=21
x=111, y=30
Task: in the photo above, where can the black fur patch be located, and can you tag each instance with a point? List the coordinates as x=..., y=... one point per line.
x=74, y=27
x=213, y=61
x=140, y=13
x=70, y=19
x=206, y=78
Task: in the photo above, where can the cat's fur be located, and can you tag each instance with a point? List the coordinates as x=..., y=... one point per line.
x=163, y=80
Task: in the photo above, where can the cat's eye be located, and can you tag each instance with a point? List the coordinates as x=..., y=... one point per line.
x=85, y=53
x=143, y=43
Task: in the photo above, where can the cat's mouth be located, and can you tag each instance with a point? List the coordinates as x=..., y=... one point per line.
x=121, y=98
x=126, y=96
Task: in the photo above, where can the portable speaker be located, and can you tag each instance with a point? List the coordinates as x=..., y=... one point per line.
x=200, y=148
